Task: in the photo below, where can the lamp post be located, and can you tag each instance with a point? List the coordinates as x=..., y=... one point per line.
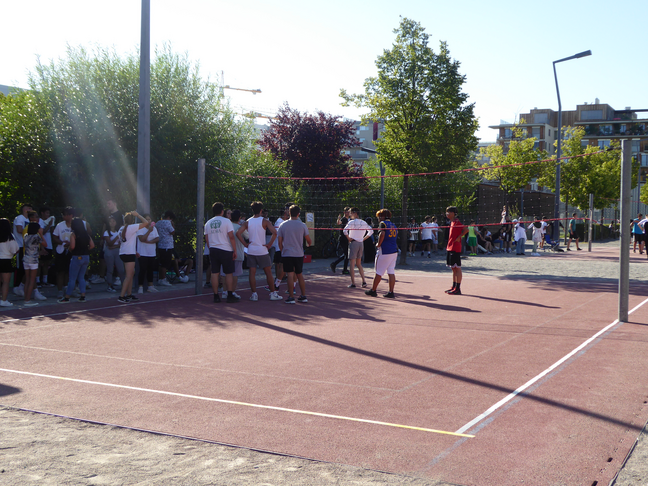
x=556, y=232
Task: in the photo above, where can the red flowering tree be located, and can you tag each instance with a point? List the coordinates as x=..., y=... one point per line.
x=311, y=145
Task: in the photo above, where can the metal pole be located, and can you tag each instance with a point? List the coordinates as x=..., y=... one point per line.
x=382, y=185
x=144, y=121
x=558, y=155
x=591, y=216
x=200, y=226
x=624, y=228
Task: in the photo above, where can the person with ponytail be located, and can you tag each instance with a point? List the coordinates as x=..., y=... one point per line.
x=128, y=252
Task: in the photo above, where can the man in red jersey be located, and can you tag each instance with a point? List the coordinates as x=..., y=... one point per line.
x=453, y=258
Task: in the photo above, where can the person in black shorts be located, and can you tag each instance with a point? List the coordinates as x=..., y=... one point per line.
x=343, y=242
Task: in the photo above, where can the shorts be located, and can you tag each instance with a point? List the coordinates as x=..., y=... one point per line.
x=62, y=262
x=385, y=263
x=427, y=242
x=224, y=258
x=30, y=266
x=127, y=258
x=453, y=259
x=261, y=261
x=6, y=266
x=293, y=264
x=238, y=269
x=574, y=236
x=355, y=249
x=277, y=257
x=435, y=239
x=639, y=237
x=166, y=257
x=472, y=241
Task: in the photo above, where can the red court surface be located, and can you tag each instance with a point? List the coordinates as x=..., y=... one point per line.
x=304, y=379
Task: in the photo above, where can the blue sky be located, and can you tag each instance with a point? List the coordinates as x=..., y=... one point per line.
x=303, y=53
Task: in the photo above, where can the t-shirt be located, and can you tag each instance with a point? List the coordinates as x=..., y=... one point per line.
x=277, y=225
x=8, y=249
x=572, y=225
x=240, y=249
x=47, y=234
x=389, y=244
x=217, y=230
x=31, y=245
x=454, y=239
x=358, y=229
x=165, y=228
x=636, y=229
x=21, y=221
x=413, y=231
x=128, y=247
x=520, y=232
x=146, y=249
x=293, y=233
x=62, y=232
x=111, y=237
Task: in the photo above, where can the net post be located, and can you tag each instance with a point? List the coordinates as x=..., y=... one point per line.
x=200, y=225
x=591, y=216
x=624, y=228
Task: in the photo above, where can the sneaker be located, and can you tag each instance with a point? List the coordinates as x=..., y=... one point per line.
x=117, y=281
x=110, y=289
x=47, y=284
x=123, y=300
x=224, y=294
x=332, y=267
x=449, y=290
x=236, y=295
x=455, y=292
x=389, y=295
x=31, y=303
x=20, y=292
x=352, y=286
x=5, y=303
x=38, y=295
x=302, y=299
x=275, y=296
x=64, y=300
x=132, y=298
x=183, y=279
x=579, y=249
x=232, y=299
x=371, y=293
x=290, y=300
x=152, y=289
x=97, y=280
x=568, y=249
x=217, y=298
x=164, y=282
x=140, y=290
x=346, y=272
x=254, y=297
x=82, y=298
x=364, y=285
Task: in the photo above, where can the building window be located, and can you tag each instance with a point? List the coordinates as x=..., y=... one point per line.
x=540, y=118
x=535, y=132
x=592, y=115
x=603, y=144
x=606, y=129
x=622, y=129
x=508, y=133
x=550, y=132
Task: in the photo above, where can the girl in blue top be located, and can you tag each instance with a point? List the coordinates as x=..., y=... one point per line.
x=387, y=253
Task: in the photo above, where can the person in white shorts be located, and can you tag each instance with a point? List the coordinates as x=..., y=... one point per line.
x=258, y=254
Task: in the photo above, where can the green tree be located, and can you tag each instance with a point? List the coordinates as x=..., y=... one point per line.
x=644, y=194
x=511, y=167
x=589, y=171
x=417, y=95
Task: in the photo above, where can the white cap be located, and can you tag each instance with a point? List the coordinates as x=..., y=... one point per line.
x=515, y=220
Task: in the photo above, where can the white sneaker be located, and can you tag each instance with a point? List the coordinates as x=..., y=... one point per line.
x=140, y=290
x=5, y=303
x=117, y=281
x=38, y=295
x=224, y=294
x=31, y=303
x=275, y=296
x=152, y=289
x=96, y=279
x=236, y=295
x=184, y=279
x=254, y=297
x=164, y=282
x=19, y=291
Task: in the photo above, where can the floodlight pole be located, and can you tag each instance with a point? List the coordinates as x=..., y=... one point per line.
x=200, y=225
x=556, y=231
x=624, y=228
x=144, y=118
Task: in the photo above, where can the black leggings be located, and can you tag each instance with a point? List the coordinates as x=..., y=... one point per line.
x=146, y=267
x=344, y=257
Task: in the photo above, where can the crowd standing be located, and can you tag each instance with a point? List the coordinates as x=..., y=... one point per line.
x=42, y=248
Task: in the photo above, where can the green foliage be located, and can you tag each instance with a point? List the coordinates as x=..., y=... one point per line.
x=644, y=194
x=598, y=173
x=510, y=169
x=417, y=96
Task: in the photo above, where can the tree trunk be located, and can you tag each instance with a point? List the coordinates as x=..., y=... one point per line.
x=403, y=238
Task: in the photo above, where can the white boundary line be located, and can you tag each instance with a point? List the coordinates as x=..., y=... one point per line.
x=512, y=395
x=232, y=402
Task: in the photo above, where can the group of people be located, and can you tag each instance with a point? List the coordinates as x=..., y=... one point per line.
x=126, y=240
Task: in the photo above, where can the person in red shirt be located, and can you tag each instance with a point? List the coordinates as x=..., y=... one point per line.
x=453, y=258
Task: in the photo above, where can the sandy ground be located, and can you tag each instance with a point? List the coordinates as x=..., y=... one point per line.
x=47, y=450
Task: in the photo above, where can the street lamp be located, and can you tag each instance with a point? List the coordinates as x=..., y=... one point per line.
x=556, y=232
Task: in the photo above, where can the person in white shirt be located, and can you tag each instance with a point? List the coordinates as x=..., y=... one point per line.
x=219, y=234
x=520, y=237
x=61, y=238
x=46, y=222
x=537, y=228
x=426, y=235
x=8, y=248
x=128, y=251
x=20, y=223
x=258, y=254
x=356, y=231
x=147, y=239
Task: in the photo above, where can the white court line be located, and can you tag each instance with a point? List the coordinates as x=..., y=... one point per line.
x=232, y=402
x=512, y=395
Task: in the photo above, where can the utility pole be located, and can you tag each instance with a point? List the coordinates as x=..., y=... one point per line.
x=144, y=119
